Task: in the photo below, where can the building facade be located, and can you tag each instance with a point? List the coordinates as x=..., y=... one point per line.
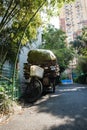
x=73, y=18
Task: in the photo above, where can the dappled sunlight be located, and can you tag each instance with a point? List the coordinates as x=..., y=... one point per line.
x=56, y=95
x=60, y=105
x=46, y=98
x=58, y=121
x=67, y=123
x=72, y=89
x=85, y=108
x=63, y=110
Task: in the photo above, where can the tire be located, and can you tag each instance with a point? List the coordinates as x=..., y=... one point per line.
x=53, y=86
x=34, y=90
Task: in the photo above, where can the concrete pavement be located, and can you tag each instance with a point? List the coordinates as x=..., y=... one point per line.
x=66, y=109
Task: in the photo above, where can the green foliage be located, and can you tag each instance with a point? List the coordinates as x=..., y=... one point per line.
x=54, y=39
x=13, y=24
x=82, y=64
x=6, y=103
x=2, y=89
x=22, y=11
x=53, y=36
x=84, y=35
x=80, y=45
x=7, y=47
x=82, y=79
x=19, y=23
x=81, y=70
x=64, y=55
x=63, y=76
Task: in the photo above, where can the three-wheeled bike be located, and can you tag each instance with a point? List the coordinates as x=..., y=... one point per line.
x=40, y=73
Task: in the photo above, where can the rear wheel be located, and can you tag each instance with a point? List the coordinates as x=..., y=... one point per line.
x=34, y=90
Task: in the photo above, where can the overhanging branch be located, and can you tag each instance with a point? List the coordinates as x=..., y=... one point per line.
x=23, y=36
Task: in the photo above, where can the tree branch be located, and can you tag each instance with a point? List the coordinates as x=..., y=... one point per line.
x=12, y=16
x=5, y=15
x=23, y=36
x=5, y=78
x=4, y=23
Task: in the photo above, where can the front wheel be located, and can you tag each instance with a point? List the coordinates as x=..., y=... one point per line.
x=34, y=90
x=53, y=86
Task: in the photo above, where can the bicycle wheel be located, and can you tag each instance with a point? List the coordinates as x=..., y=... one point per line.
x=34, y=90
x=53, y=86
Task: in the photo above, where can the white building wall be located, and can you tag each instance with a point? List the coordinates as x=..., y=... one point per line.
x=24, y=52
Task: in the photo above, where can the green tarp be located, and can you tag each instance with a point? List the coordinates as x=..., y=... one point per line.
x=40, y=56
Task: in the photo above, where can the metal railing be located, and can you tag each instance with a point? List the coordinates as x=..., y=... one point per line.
x=6, y=81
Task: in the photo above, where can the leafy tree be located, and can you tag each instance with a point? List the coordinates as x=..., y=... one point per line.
x=80, y=45
x=82, y=64
x=18, y=25
x=84, y=38
x=22, y=17
x=55, y=40
x=13, y=9
x=17, y=15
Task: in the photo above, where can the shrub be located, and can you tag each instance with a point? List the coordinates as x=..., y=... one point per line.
x=6, y=104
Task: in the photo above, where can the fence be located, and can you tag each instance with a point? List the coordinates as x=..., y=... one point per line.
x=11, y=87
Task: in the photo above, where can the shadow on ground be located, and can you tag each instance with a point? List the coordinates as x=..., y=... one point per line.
x=69, y=104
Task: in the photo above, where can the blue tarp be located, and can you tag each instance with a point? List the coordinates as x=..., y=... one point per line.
x=67, y=81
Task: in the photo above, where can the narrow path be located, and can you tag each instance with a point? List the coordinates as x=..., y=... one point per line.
x=64, y=110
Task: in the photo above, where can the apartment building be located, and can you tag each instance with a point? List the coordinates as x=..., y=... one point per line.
x=73, y=18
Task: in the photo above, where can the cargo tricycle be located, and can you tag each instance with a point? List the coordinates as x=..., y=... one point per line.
x=40, y=73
